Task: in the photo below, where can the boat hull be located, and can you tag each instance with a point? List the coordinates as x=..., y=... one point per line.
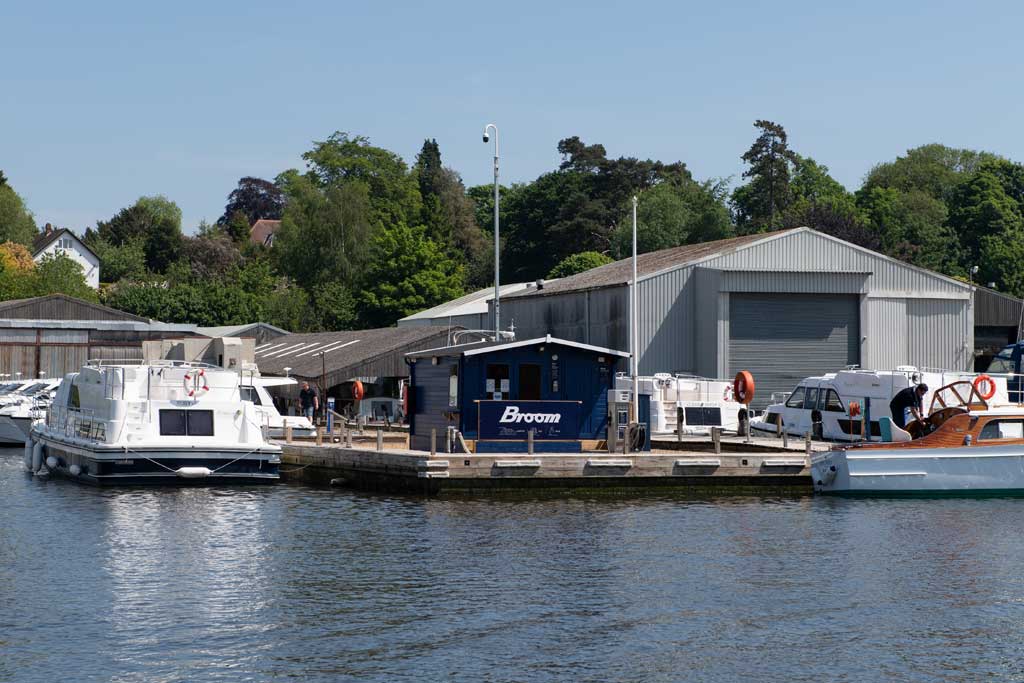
x=14, y=430
x=994, y=470
x=88, y=463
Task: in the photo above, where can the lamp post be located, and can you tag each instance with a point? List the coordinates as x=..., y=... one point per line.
x=633, y=329
x=497, y=255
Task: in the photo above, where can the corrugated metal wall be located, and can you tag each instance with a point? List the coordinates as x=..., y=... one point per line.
x=684, y=320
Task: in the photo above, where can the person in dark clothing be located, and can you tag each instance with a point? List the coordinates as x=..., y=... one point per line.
x=309, y=399
x=911, y=398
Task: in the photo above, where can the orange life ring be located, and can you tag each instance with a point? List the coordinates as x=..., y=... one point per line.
x=987, y=381
x=192, y=382
x=743, y=387
x=854, y=409
x=357, y=390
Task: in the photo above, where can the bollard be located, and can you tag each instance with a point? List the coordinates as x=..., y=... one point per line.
x=785, y=439
x=348, y=438
x=433, y=442
x=319, y=436
x=529, y=442
x=380, y=439
x=716, y=439
x=807, y=443
x=361, y=422
x=288, y=433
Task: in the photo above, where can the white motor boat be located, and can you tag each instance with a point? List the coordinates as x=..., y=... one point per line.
x=821, y=405
x=699, y=402
x=965, y=447
x=254, y=390
x=155, y=422
x=21, y=408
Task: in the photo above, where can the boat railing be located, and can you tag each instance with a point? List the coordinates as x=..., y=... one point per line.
x=76, y=422
x=162, y=363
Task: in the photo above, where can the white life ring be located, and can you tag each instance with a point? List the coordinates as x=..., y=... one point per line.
x=195, y=383
x=727, y=394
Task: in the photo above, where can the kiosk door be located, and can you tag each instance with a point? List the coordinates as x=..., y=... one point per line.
x=529, y=382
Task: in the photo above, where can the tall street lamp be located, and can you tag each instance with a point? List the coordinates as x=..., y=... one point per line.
x=634, y=328
x=497, y=255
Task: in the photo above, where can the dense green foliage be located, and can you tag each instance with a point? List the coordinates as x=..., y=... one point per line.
x=577, y=263
x=366, y=239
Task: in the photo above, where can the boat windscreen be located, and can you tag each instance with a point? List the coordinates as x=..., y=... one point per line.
x=35, y=388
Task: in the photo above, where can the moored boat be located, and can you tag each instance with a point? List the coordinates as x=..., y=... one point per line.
x=964, y=446
x=156, y=422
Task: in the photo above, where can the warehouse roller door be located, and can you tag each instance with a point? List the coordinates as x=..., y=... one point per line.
x=782, y=338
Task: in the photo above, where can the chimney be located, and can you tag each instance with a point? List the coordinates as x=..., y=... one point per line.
x=48, y=230
x=540, y=283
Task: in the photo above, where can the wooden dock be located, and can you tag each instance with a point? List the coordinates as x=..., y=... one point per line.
x=758, y=466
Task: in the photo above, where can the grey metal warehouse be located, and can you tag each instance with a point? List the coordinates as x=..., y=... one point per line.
x=784, y=305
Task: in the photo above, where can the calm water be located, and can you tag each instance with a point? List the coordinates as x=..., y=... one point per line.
x=288, y=582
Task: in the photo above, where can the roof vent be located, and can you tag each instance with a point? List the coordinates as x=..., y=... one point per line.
x=540, y=283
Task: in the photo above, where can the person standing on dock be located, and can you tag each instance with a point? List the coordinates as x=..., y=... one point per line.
x=310, y=401
x=908, y=399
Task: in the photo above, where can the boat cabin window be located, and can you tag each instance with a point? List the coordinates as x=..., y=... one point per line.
x=186, y=423
x=1002, y=364
x=796, y=399
x=811, y=402
x=1002, y=429
x=250, y=394
x=73, y=397
x=497, y=384
x=832, y=402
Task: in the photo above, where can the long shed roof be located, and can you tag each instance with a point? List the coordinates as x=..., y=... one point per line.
x=347, y=354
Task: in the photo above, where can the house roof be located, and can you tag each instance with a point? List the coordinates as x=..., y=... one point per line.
x=44, y=240
x=474, y=303
x=620, y=272
x=262, y=229
x=476, y=348
x=347, y=354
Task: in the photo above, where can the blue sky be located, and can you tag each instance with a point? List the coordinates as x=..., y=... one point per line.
x=103, y=102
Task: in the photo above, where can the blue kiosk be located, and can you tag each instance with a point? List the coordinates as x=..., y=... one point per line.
x=494, y=393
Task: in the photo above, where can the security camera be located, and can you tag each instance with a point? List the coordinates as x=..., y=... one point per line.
x=487, y=138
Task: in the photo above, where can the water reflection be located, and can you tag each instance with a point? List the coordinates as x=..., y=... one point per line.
x=286, y=582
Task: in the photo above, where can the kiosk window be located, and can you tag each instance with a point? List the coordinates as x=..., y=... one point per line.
x=796, y=399
x=186, y=423
x=529, y=382
x=497, y=381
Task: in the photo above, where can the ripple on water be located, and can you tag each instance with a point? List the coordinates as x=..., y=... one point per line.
x=251, y=584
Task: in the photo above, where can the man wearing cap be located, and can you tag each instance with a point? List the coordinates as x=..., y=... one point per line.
x=908, y=399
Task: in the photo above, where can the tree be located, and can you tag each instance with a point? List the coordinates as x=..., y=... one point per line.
x=673, y=214
x=16, y=222
x=126, y=261
x=934, y=169
x=156, y=221
x=15, y=258
x=759, y=204
x=254, y=198
x=325, y=233
x=58, y=274
x=211, y=259
x=393, y=191
x=980, y=208
x=912, y=226
x=577, y=263
x=406, y=273
x=237, y=228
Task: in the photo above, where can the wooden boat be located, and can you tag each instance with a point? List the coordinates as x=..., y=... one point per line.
x=964, y=446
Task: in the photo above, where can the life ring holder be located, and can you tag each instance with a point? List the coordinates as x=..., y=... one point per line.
x=193, y=384
x=989, y=382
